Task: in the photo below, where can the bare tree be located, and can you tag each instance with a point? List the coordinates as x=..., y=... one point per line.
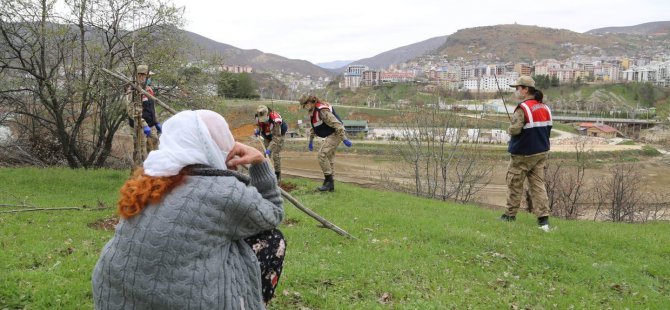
x=565, y=183
x=441, y=165
x=618, y=196
x=51, y=60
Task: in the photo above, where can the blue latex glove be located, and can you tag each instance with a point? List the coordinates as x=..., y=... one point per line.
x=310, y=146
x=267, y=152
x=257, y=132
x=159, y=127
x=147, y=131
x=347, y=143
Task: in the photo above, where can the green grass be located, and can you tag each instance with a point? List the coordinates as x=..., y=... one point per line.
x=565, y=127
x=626, y=142
x=424, y=254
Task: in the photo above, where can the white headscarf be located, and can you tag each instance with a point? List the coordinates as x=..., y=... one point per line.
x=188, y=138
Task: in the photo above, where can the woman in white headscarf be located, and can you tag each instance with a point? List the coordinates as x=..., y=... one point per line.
x=185, y=216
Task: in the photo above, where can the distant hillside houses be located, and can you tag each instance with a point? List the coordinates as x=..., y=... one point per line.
x=655, y=72
x=361, y=75
x=236, y=68
x=481, y=77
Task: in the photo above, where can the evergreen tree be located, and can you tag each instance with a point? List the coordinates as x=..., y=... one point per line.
x=226, y=86
x=246, y=87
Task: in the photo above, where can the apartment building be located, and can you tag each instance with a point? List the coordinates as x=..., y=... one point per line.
x=354, y=75
x=395, y=77
x=522, y=68
x=491, y=84
x=371, y=77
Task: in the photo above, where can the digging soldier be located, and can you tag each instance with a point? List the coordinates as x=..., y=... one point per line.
x=272, y=128
x=529, y=147
x=325, y=124
x=146, y=117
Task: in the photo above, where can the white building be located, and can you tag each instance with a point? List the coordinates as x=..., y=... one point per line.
x=354, y=75
x=490, y=84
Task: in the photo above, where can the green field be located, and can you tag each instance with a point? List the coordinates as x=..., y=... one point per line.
x=410, y=253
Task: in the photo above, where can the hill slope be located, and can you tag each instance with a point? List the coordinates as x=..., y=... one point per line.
x=653, y=28
x=400, y=54
x=259, y=60
x=411, y=253
x=526, y=43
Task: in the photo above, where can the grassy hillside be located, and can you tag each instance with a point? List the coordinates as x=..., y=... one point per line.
x=527, y=43
x=411, y=253
x=608, y=97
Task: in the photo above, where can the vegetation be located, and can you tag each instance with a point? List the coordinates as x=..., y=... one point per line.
x=236, y=85
x=66, y=109
x=410, y=253
x=629, y=100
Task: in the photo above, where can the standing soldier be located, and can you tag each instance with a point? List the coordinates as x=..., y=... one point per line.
x=272, y=128
x=529, y=148
x=146, y=116
x=325, y=124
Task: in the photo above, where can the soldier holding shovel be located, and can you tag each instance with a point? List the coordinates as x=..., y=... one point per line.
x=146, y=136
x=325, y=124
x=272, y=128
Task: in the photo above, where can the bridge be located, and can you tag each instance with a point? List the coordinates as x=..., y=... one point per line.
x=631, y=121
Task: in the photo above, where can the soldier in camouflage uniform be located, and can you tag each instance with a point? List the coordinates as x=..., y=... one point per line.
x=325, y=124
x=272, y=128
x=529, y=147
x=146, y=116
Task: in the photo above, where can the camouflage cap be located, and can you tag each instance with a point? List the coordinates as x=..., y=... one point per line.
x=524, y=80
x=144, y=69
x=262, y=110
x=305, y=99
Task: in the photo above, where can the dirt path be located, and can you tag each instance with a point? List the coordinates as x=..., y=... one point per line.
x=371, y=171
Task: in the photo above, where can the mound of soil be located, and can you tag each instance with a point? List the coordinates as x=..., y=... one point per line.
x=107, y=224
x=243, y=132
x=287, y=187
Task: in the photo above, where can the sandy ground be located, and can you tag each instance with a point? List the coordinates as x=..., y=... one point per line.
x=371, y=171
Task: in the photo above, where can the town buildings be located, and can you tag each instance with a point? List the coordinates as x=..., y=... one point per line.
x=476, y=76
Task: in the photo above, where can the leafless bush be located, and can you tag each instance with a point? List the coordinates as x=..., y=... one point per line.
x=618, y=196
x=655, y=208
x=565, y=184
x=441, y=166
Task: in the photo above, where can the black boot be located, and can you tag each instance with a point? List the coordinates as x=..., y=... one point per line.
x=508, y=218
x=328, y=184
x=278, y=174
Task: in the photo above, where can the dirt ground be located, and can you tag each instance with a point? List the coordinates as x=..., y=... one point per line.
x=366, y=170
x=371, y=171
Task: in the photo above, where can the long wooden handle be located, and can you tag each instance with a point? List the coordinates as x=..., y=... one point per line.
x=138, y=88
x=307, y=211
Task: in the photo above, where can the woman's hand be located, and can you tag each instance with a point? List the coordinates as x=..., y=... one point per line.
x=243, y=154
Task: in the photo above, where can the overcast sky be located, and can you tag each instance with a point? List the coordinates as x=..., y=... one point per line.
x=323, y=31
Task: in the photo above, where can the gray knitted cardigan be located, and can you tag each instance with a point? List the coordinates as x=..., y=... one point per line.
x=188, y=252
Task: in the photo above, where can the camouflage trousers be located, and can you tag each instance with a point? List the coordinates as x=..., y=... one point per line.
x=531, y=168
x=275, y=154
x=327, y=154
x=147, y=144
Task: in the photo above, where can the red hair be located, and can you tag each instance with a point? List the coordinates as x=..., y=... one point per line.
x=141, y=190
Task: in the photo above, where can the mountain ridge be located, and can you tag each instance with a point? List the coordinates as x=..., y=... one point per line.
x=398, y=55
x=255, y=58
x=526, y=43
x=651, y=28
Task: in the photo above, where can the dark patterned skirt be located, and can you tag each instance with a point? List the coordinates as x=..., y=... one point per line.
x=269, y=247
